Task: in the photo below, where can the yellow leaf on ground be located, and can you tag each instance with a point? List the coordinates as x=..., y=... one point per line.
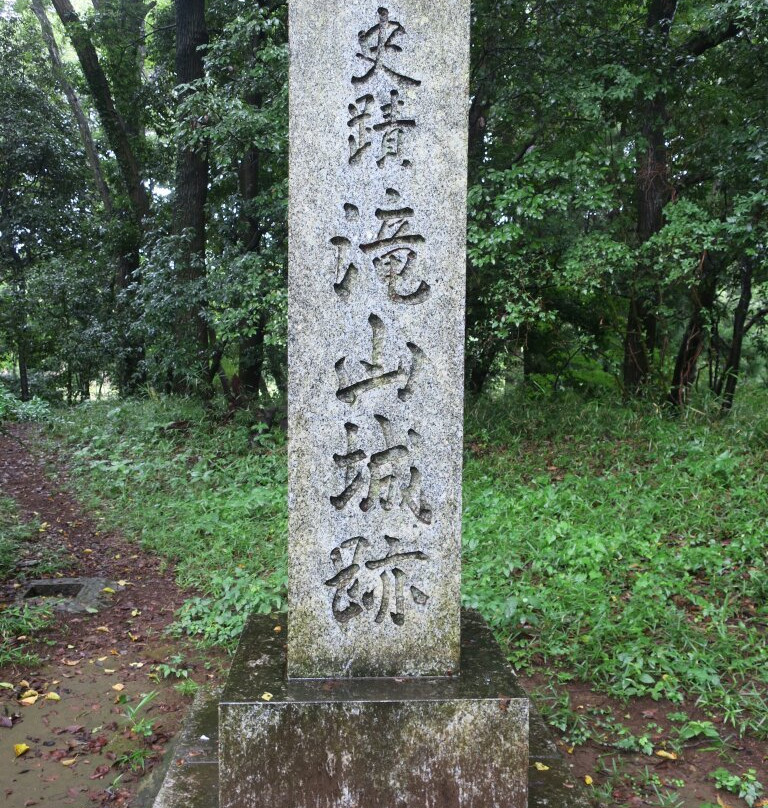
x=102, y=628
x=662, y=753
x=87, y=550
x=69, y=662
x=19, y=749
x=101, y=659
x=267, y=696
x=588, y=780
x=109, y=670
x=53, y=696
x=69, y=761
x=277, y=629
x=122, y=582
x=722, y=803
x=135, y=612
x=541, y=767
x=108, y=590
x=6, y=686
x=27, y=693
x=28, y=702
x=118, y=687
x=135, y=664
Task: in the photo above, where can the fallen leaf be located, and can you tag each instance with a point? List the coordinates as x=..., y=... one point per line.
x=135, y=612
x=28, y=702
x=6, y=686
x=267, y=696
x=52, y=696
x=588, y=780
x=722, y=803
x=69, y=662
x=662, y=753
x=119, y=686
x=109, y=670
x=87, y=550
x=102, y=628
x=277, y=629
x=108, y=590
x=102, y=658
x=135, y=664
x=122, y=582
x=541, y=767
x=69, y=761
x=28, y=693
x=19, y=749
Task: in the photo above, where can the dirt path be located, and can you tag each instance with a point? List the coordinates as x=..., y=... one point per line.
x=81, y=750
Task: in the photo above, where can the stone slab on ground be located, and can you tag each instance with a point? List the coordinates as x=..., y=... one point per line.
x=69, y=595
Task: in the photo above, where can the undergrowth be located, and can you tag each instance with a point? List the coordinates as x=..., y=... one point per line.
x=616, y=545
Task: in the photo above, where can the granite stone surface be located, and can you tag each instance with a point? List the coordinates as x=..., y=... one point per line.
x=377, y=232
x=433, y=742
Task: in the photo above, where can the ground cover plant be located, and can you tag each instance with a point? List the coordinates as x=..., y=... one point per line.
x=609, y=545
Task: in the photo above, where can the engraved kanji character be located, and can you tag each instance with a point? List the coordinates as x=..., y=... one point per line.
x=359, y=116
x=375, y=373
x=395, y=251
x=376, y=44
x=392, y=129
x=386, y=472
x=361, y=595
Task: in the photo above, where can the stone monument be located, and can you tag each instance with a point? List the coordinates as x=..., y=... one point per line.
x=382, y=698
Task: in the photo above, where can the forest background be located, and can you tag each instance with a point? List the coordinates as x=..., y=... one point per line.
x=617, y=338
x=618, y=192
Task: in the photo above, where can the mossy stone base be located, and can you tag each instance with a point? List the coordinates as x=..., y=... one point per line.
x=443, y=742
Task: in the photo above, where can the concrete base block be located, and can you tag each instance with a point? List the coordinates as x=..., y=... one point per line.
x=191, y=777
x=444, y=742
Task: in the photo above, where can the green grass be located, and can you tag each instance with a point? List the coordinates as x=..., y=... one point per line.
x=13, y=535
x=616, y=545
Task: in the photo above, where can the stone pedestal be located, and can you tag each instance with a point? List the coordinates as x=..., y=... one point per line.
x=426, y=742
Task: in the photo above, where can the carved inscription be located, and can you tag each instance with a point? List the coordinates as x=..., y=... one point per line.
x=367, y=581
x=377, y=45
x=385, y=476
x=392, y=256
x=379, y=468
x=379, y=115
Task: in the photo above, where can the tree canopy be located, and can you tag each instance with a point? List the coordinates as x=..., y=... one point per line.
x=618, y=197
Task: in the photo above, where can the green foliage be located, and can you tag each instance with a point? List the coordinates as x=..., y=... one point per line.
x=625, y=547
x=21, y=621
x=13, y=409
x=746, y=786
x=209, y=496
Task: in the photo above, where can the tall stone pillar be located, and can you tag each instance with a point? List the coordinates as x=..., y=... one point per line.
x=384, y=696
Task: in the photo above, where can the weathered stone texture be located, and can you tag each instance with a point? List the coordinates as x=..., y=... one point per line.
x=442, y=742
x=378, y=139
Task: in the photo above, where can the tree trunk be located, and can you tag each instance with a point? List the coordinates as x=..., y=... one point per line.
x=190, y=197
x=21, y=349
x=74, y=105
x=694, y=339
x=100, y=91
x=653, y=191
x=730, y=377
x=131, y=350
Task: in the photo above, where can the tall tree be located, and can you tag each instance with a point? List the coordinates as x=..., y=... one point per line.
x=190, y=195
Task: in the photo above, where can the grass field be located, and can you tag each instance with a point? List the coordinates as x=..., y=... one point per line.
x=610, y=545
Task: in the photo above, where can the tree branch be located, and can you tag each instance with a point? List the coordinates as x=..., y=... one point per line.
x=702, y=41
